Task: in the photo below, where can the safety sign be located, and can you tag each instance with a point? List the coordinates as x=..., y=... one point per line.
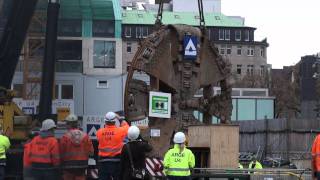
x=160, y=104
x=92, y=123
x=92, y=130
x=190, y=47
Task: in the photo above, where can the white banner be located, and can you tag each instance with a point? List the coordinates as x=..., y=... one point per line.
x=30, y=106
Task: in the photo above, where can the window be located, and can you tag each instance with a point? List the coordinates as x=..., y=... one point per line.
x=227, y=34
x=63, y=91
x=129, y=47
x=197, y=17
x=223, y=49
x=229, y=49
x=221, y=34
x=144, y=32
x=70, y=27
x=104, y=54
x=209, y=34
x=250, y=69
x=18, y=89
x=103, y=28
x=138, y=32
x=250, y=51
x=246, y=35
x=69, y=50
x=239, y=66
x=217, y=17
x=102, y=84
x=176, y=16
x=239, y=50
x=262, y=52
x=127, y=32
x=238, y=35
x=262, y=70
x=66, y=91
x=140, y=15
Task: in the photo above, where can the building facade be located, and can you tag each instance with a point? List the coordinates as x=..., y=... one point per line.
x=89, y=57
x=234, y=40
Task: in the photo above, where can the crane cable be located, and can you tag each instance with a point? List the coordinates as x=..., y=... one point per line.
x=201, y=16
x=158, y=22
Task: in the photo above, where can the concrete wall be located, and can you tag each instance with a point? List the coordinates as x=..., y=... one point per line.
x=192, y=6
x=99, y=101
x=128, y=56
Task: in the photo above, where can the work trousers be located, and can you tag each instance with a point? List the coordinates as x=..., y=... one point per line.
x=27, y=173
x=74, y=174
x=178, y=177
x=2, y=172
x=109, y=170
x=317, y=175
x=46, y=174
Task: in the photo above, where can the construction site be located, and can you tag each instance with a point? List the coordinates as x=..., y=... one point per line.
x=166, y=69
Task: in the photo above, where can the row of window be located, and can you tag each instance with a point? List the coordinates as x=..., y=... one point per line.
x=250, y=50
x=250, y=70
x=225, y=34
x=62, y=91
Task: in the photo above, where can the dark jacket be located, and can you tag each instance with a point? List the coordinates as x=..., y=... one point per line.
x=138, y=150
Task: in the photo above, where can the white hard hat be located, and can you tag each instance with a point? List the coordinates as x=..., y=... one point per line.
x=179, y=138
x=133, y=132
x=72, y=118
x=47, y=125
x=110, y=117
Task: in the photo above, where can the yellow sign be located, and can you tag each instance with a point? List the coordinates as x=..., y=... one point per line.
x=62, y=113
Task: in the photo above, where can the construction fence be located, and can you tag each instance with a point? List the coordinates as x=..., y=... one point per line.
x=289, y=139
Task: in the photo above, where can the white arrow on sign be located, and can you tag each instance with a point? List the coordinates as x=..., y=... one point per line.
x=190, y=49
x=93, y=131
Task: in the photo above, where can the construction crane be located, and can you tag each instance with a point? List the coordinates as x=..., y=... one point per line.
x=181, y=69
x=12, y=121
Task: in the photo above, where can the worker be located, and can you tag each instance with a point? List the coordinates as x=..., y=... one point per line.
x=240, y=166
x=27, y=171
x=75, y=148
x=44, y=153
x=315, y=162
x=255, y=164
x=4, y=147
x=179, y=160
x=110, y=139
x=133, y=155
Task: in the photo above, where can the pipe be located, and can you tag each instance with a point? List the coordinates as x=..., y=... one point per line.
x=48, y=67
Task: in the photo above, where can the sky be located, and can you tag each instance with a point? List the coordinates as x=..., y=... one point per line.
x=292, y=27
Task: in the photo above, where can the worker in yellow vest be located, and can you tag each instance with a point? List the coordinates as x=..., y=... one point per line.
x=4, y=146
x=255, y=164
x=179, y=160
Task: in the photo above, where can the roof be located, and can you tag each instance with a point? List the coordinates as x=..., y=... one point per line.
x=188, y=18
x=87, y=9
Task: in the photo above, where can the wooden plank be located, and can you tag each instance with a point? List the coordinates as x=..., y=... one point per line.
x=223, y=141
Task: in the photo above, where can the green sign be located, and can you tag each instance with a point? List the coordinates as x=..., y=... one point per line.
x=160, y=104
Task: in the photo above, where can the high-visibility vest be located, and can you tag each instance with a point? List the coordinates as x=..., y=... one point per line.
x=111, y=139
x=257, y=165
x=75, y=148
x=44, y=152
x=4, y=146
x=26, y=157
x=315, y=152
x=240, y=166
x=178, y=164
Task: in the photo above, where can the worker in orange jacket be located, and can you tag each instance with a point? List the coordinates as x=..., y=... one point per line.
x=315, y=152
x=44, y=153
x=75, y=148
x=110, y=140
x=27, y=172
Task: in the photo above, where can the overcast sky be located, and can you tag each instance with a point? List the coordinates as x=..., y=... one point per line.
x=292, y=27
